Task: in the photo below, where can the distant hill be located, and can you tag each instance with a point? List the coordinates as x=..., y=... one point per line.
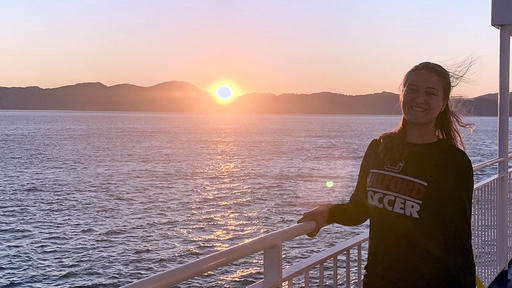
x=318, y=103
x=177, y=96
x=168, y=96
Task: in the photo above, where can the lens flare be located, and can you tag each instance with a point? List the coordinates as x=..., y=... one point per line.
x=329, y=184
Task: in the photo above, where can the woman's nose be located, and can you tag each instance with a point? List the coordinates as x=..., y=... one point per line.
x=421, y=97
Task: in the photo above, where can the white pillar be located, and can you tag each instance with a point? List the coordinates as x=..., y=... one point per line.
x=503, y=132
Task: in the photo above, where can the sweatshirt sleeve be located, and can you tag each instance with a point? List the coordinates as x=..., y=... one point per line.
x=458, y=226
x=355, y=211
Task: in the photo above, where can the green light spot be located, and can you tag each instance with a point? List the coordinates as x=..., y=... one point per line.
x=329, y=184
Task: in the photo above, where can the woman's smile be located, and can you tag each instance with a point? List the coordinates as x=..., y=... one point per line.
x=418, y=108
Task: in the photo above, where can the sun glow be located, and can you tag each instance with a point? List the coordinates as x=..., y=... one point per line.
x=224, y=92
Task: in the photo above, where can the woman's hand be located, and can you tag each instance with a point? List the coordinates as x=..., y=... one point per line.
x=319, y=215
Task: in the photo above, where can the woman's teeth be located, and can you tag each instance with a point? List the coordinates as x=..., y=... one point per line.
x=419, y=109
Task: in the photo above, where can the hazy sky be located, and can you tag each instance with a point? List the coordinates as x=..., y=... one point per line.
x=344, y=46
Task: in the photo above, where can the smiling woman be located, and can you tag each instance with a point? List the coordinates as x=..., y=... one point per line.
x=224, y=92
x=415, y=185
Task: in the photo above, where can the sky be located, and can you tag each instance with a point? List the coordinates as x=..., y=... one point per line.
x=343, y=46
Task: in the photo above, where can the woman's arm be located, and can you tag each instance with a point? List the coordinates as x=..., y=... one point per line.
x=354, y=212
x=458, y=220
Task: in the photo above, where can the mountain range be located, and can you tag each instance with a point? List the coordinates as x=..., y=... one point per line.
x=178, y=96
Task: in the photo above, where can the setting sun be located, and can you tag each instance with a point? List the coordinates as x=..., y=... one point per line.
x=224, y=92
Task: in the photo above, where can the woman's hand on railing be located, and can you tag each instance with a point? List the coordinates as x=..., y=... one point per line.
x=319, y=215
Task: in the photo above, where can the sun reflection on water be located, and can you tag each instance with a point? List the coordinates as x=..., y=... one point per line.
x=241, y=274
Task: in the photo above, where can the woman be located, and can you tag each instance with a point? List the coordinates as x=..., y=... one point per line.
x=415, y=185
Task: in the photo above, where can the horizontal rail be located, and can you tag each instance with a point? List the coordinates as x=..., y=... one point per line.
x=224, y=257
x=488, y=163
x=486, y=181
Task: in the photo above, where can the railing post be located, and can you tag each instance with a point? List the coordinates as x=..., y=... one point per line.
x=347, y=268
x=273, y=266
x=503, y=133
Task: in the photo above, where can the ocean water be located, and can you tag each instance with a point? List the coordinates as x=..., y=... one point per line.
x=101, y=199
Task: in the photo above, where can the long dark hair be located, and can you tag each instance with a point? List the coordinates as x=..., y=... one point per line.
x=447, y=122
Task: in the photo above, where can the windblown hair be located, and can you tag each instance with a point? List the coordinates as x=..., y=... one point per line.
x=447, y=122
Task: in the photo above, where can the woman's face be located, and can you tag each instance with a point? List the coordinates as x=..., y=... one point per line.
x=422, y=98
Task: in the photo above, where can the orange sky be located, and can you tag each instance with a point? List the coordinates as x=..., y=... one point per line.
x=347, y=47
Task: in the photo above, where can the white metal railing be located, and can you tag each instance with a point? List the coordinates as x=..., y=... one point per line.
x=483, y=229
x=484, y=222
x=484, y=232
x=509, y=216
x=489, y=163
x=274, y=276
x=270, y=244
x=322, y=260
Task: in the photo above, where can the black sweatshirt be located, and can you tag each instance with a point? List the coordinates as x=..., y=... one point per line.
x=420, y=217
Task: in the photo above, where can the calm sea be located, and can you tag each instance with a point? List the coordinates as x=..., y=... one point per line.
x=101, y=199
